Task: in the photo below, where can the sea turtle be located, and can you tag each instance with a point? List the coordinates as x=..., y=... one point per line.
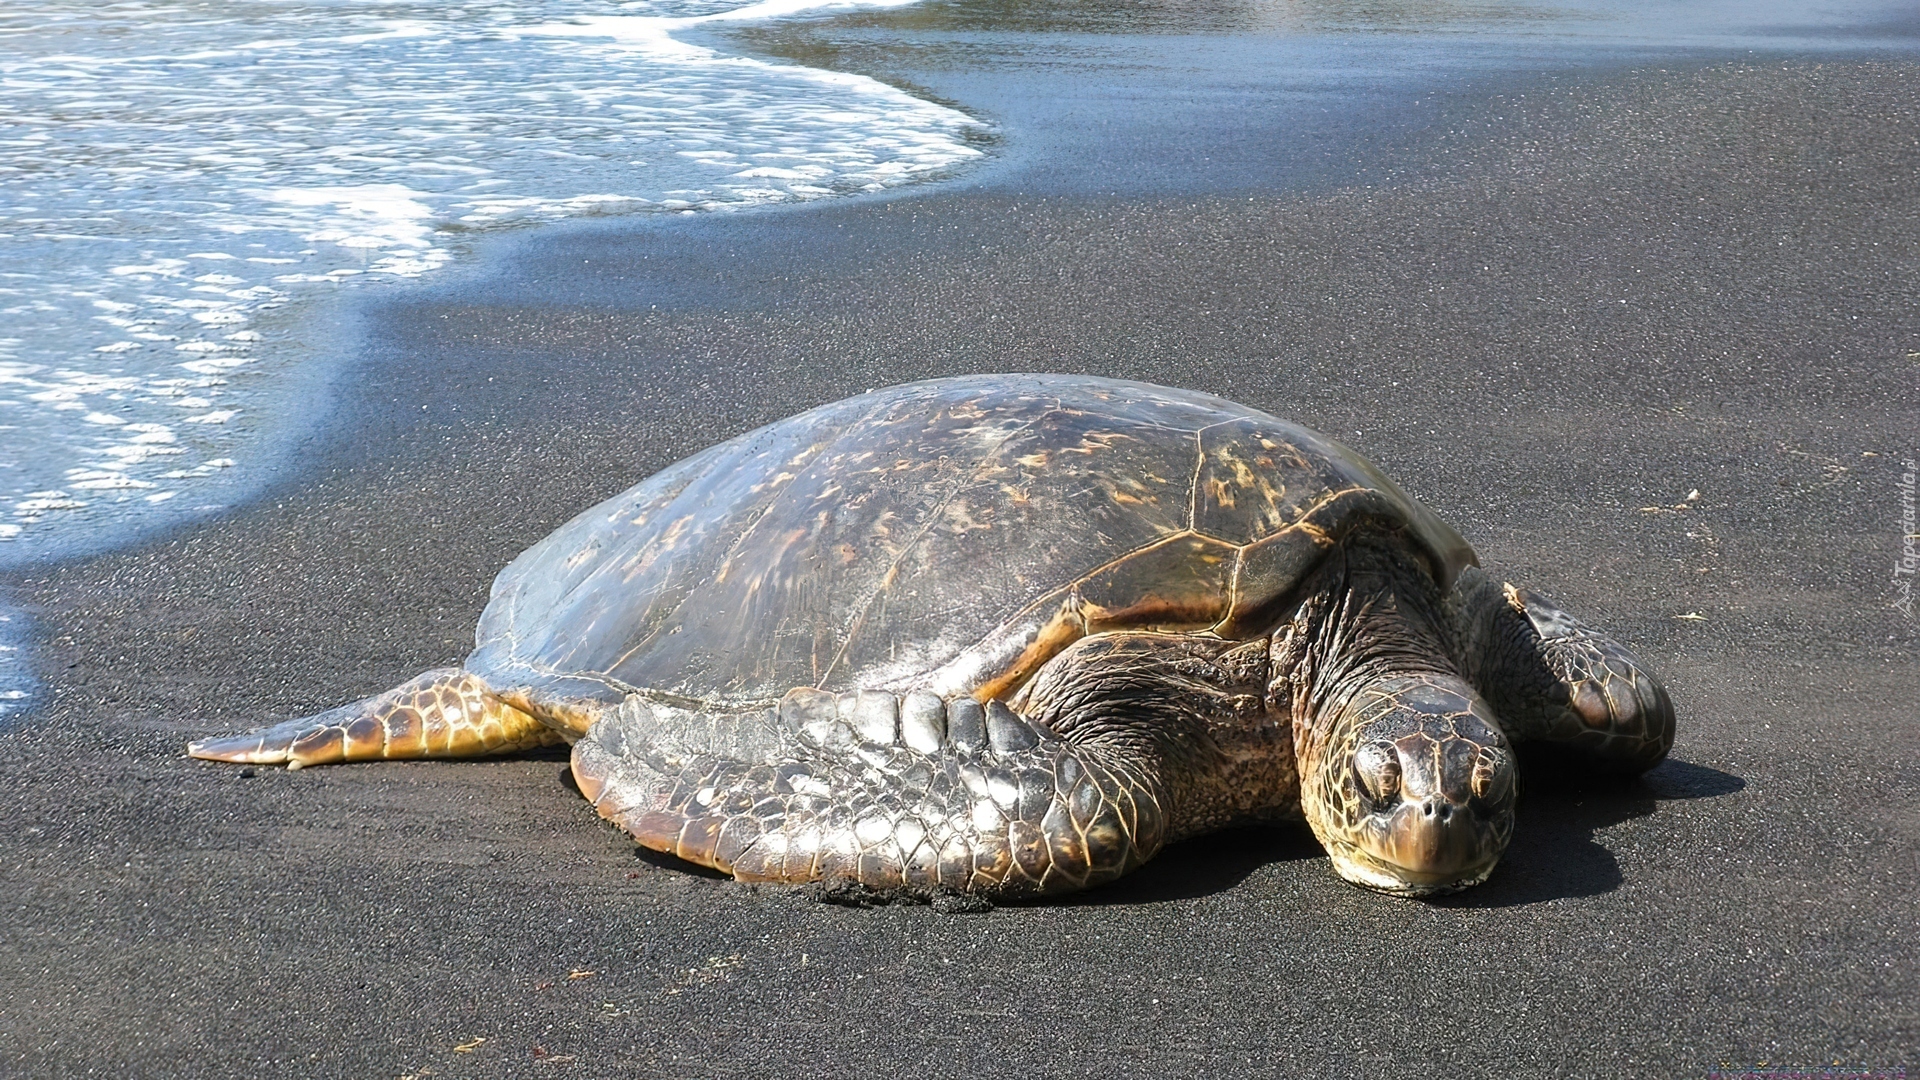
x=1011, y=634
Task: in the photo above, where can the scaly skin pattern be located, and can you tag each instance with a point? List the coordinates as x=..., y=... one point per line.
x=893, y=791
x=441, y=714
x=1192, y=709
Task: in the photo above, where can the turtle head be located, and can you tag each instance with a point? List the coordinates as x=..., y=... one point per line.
x=1414, y=794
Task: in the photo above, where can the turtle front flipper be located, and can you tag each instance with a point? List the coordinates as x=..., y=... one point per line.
x=1552, y=678
x=897, y=792
x=448, y=713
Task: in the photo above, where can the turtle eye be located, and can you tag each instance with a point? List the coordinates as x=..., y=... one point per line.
x=1492, y=773
x=1377, y=764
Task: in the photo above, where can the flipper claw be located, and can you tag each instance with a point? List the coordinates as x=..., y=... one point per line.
x=261, y=746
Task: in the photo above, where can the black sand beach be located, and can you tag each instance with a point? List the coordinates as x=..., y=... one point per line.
x=1554, y=317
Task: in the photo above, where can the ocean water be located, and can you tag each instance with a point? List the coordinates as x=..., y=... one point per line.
x=184, y=182
x=179, y=178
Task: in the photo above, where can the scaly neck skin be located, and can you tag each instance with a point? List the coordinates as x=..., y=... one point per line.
x=1188, y=711
x=1498, y=650
x=1372, y=613
x=1404, y=776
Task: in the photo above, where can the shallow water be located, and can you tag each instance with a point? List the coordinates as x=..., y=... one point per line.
x=180, y=179
x=1152, y=98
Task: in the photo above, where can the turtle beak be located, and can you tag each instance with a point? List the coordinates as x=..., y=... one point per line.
x=1434, y=843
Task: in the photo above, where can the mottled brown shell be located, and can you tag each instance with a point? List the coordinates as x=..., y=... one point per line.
x=950, y=535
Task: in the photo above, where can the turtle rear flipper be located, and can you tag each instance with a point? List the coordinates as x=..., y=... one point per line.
x=449, y=713
x=901, y=793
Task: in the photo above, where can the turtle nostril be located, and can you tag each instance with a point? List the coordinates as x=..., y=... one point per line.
x=1427, y=810
x=1446, y=811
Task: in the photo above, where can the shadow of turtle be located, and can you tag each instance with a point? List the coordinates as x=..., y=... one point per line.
x=1204, y=865
x=1563, y=803
x=1553, y=854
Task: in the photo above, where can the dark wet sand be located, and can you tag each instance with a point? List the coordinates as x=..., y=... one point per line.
x=1611, y=296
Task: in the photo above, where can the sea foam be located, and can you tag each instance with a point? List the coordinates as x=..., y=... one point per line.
x=178, y=181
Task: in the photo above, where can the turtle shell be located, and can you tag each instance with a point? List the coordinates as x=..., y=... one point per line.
x=951, y=535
